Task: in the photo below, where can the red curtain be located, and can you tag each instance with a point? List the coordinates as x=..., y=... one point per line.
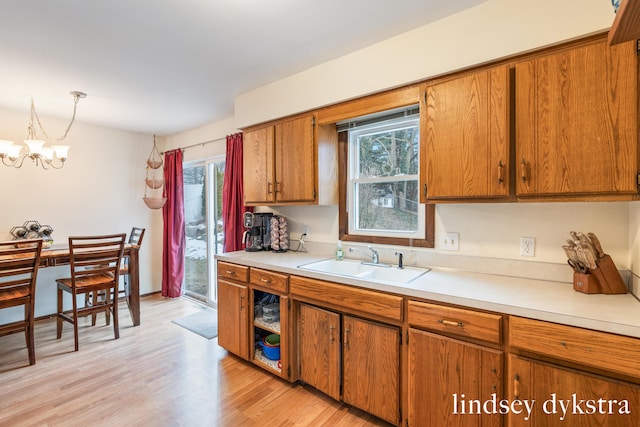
x=173, y=240
x=232, y=195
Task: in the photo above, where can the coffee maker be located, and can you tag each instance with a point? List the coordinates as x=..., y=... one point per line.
x=257, y=234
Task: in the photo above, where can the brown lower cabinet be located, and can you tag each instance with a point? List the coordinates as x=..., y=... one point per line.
x=445, y=374
x=572, y=376
x=336, y=338
x=319, y=349
x=561, y=396
x=366, y=352
x=233, y=319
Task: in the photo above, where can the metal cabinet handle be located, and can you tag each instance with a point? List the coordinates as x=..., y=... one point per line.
x=241, y=302
x=229, y=272
x=346, y=337
x=523, y=171
x=451, y=323
x=269, y=185
x=516, y=386
x=265, y=280
x=331, y=337
x=500, y=172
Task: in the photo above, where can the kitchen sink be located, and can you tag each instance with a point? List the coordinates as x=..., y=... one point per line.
x=384, y=273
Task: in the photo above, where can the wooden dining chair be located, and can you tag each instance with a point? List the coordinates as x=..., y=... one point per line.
x=19, y=263
x=135, y=238
x=95, y=267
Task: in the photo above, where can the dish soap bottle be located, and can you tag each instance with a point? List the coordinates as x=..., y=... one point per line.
x=339, y=253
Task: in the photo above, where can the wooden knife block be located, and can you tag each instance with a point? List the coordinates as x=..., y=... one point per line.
x=604, y=279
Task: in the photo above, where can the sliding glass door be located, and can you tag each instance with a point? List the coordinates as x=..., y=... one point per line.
x=203, y=227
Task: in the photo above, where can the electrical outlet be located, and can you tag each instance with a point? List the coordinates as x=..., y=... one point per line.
x=305, y=230
x=527, y=246
x=450, y=241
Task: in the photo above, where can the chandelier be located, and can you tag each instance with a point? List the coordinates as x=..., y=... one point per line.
x=48, y=157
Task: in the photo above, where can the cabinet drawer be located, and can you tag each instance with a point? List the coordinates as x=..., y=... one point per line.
x=591, y=348
x=269, y=279
x=348, y=298
x=233, y=271
x=456, y=321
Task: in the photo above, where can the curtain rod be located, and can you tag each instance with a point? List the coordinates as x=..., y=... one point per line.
x=198, y=144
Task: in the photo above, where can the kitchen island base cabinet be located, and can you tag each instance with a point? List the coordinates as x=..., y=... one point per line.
x=445, y=376
x=567, y=397
x=233, y=319
x=370, y=361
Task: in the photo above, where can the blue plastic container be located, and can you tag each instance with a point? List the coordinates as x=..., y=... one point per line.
x=271, y=351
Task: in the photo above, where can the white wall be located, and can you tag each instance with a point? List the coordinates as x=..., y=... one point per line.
x=491, y=30
x=98, y=191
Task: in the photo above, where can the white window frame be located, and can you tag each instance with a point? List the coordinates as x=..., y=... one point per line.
x=353, y=179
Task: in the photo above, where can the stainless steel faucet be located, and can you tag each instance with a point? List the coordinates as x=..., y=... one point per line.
x=375, y=259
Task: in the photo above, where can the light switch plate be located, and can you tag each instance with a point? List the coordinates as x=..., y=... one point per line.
x=450, y=241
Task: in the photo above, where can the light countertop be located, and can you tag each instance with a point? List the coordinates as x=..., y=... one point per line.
x=537, y=299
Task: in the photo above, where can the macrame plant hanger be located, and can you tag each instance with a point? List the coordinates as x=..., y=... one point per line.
x=153, y=183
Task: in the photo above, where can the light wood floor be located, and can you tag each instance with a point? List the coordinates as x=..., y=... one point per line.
x=156, y=374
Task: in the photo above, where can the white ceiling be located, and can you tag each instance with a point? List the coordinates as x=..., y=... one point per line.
x=165, y=66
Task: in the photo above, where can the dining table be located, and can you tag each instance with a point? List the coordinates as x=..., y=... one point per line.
x=58, y=255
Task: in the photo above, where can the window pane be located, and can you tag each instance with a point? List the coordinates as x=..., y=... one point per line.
x=389, y=152
x=196, y=277
x=388, y=206
x=219, y=232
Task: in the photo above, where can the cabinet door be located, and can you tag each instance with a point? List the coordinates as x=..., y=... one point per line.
x=442, y=370
x=295, y=164
x=233, y=319
x=598, y=401
x=577, y=121
x=319, y=349
x=371, y=367
x=258, y=169
x=467, y=136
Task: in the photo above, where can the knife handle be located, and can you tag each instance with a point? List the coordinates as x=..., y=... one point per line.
x=596, y=245
x=587, y=245
x=589, y=257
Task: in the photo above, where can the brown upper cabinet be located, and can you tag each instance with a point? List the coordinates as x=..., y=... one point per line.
x=281, y=163
x=626, y=24
x=560, y=123
x=577, y=122
x=465, y=136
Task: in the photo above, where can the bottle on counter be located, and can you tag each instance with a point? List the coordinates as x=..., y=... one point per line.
x=339, y=252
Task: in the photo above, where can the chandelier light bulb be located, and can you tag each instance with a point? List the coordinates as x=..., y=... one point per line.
x=46, y=156
x=34, y=146
x=61, y=151
x=14, y=152
x=47, y=153
x=4, y=146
